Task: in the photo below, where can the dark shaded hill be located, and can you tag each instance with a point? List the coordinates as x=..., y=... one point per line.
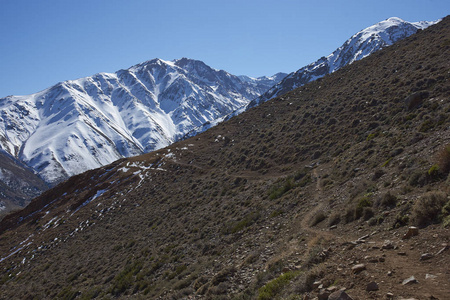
x=18, y=184
x=300, y=189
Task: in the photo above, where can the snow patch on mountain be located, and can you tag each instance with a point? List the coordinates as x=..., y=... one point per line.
x=360, y=45
x=86, y=123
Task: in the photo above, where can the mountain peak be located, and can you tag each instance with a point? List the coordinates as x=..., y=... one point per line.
x=86, y=123
x=395, y=20
x=360, y=45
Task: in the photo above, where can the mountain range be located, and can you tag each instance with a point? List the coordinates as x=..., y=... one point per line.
x=338, y=189
x=358, y=46
x=82, y=124
x=87, y=123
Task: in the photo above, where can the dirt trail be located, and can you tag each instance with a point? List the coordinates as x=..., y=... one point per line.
x=306, y=220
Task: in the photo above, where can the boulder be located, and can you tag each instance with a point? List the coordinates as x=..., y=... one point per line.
x=410, y=280
x=323, y=294
x=412, y=231
x=339, y=295
x=372, y=286
x=388, y=245
x=358, y=268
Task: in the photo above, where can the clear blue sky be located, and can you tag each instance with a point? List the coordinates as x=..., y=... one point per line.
x=43, y=42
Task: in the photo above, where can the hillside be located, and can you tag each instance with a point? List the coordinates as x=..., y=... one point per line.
x=285, y=200
x=18, y=184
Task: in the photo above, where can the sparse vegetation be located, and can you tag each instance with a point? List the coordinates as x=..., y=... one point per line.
x=237, y=226
x=280, y=190
x=428, y=208
x=443, y=159
x=388, y=200
x=319, y=217
x=334, y=219
x=273, y=287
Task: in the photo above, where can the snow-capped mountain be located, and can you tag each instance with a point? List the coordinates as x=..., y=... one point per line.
x=360, y=45
x=86, y=123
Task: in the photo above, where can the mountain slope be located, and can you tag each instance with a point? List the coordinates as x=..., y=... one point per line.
x=360, y=45
x=304, y=187
x=87, y=123
x=17, y=185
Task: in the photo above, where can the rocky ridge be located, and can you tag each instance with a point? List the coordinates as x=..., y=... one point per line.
x=360, y=45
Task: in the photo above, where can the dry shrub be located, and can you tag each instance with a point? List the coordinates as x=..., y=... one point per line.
x=387, y=200
x=427, y=209
x=367, y=213
x=334, y=219
x=443, y=158
x=319, y=217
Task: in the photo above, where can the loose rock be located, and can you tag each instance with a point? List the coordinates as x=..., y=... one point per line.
x=410, y=280
x=358, y=268
x=316, y=284
x=387, y=245
x=442, y=250
x=339, y=295
x=323, y=294
x=331, y=289
x=372, y=286
x=426, y=256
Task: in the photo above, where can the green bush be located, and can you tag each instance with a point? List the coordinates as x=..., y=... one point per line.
x=375, y=220
x=278, y=191
x=248, y=220
x=433, y=172
x=273, y=287
x=446, y=222
x=400, y=220
x=386, y=162
x=124, y=280
x=445, y=214
x=371, y=136
x=365, y=201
